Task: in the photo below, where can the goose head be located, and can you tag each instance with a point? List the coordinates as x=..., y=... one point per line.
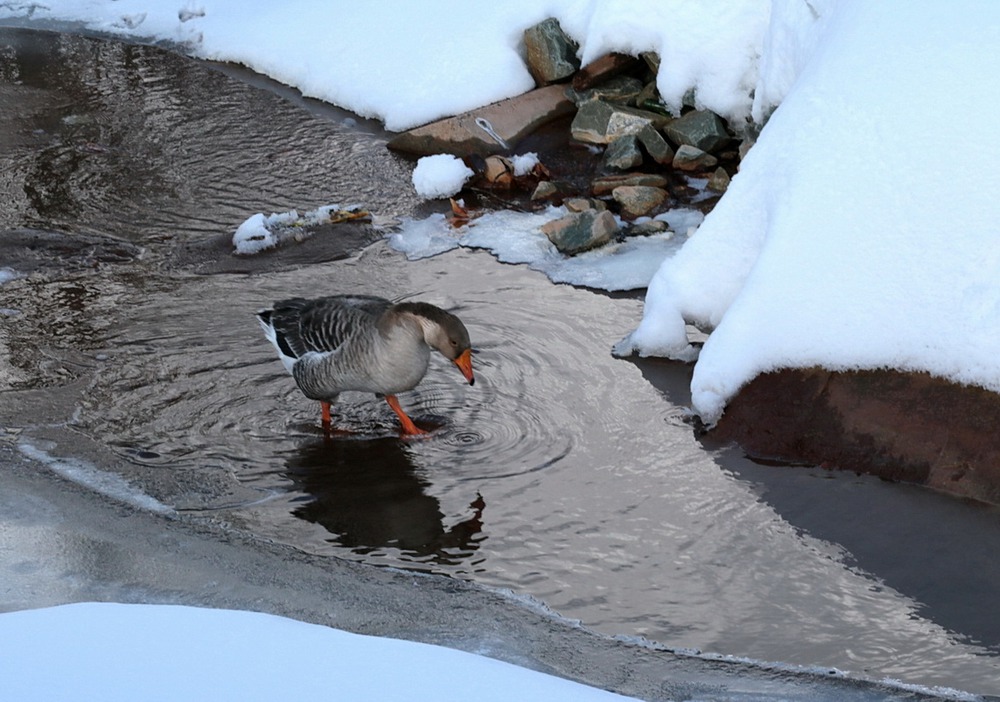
x=445, y=333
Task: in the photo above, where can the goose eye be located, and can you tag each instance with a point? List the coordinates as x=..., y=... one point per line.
x=453, y=342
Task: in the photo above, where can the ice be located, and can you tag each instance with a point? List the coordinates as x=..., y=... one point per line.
x=89, y=476
x=514, y=237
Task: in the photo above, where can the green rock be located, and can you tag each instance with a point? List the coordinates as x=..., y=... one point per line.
x=621, y=89
x=550, y=54
x=656, y=146
x=581, y=231
x=598, y=122
x=700, y=128
x=623, y=153
x=691, y=158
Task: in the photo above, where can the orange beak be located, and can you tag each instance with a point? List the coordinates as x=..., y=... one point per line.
x=464, y=363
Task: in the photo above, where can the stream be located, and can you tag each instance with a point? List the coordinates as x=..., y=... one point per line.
x=563, y=475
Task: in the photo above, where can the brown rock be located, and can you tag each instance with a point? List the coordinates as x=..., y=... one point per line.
x=511, y=119
x=638, y=200
x=900, y=426
x=606, y=184
x=719, y=182
x=603, y=68
x=579, y=204
x=498, y=171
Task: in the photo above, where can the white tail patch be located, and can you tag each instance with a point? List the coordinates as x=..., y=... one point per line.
x=272, y=336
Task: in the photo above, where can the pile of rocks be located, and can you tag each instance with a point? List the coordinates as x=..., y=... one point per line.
x=644, y=151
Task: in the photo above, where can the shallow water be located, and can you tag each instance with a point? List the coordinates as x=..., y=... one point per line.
x=563, y=473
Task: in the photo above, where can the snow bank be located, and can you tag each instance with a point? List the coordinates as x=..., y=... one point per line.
x=862, y=229
x=114, y=652
x=410, y=64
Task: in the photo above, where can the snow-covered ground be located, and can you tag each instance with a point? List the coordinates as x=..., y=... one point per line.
x=107, y=652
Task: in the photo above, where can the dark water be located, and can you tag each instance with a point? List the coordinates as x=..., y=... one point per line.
x=563, y=474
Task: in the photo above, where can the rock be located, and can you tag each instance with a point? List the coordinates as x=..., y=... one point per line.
x=719, y=182
x=691, y=158
x=545, y=190
x=745, y=146
x=606, y=184
x=623, y=153
x=647, y=228
x=638, y=200
x=602, y=69
x=656, y=146
x=512, y=120
x=598, y=122
x=550, y=54
x=581, y=231
x=897, y=425
x=700, y=128
x=620, y=89
x=581, y=204
x=499, y=171
x=652, y=60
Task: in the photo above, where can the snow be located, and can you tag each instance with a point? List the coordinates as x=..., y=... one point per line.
x=260, y=232
x=440, y=175
x=410, y=65
x=861, y=231
x=108, y=652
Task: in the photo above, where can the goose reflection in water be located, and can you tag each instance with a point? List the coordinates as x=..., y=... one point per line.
x=366, y=492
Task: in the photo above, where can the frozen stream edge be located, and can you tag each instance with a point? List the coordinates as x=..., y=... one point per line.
x=64, y=542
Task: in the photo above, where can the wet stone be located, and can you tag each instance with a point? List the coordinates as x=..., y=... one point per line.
x=691, y=158
x=598, y=122
x=647, y=228
x=606, y=184
x=620, y=89
x=719, y=182
x=581, y=204
x=656, y=146
x=700, y=128
x=623, y=154
x=498, y=171
x=639, y=200
x=545, y=190
x=581, y=231
x=512, y=120
x=550, y=54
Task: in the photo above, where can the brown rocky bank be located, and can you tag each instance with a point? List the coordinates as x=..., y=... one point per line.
x=898, y=425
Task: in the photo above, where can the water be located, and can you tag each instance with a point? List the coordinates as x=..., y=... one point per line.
x=563, y=474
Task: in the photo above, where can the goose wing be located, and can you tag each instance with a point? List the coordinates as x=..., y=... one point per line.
x=321, y=325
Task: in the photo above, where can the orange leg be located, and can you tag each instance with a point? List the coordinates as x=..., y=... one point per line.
x=325, y=406
x=408, y=426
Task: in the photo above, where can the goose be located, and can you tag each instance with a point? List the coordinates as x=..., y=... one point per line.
x=364, y=343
